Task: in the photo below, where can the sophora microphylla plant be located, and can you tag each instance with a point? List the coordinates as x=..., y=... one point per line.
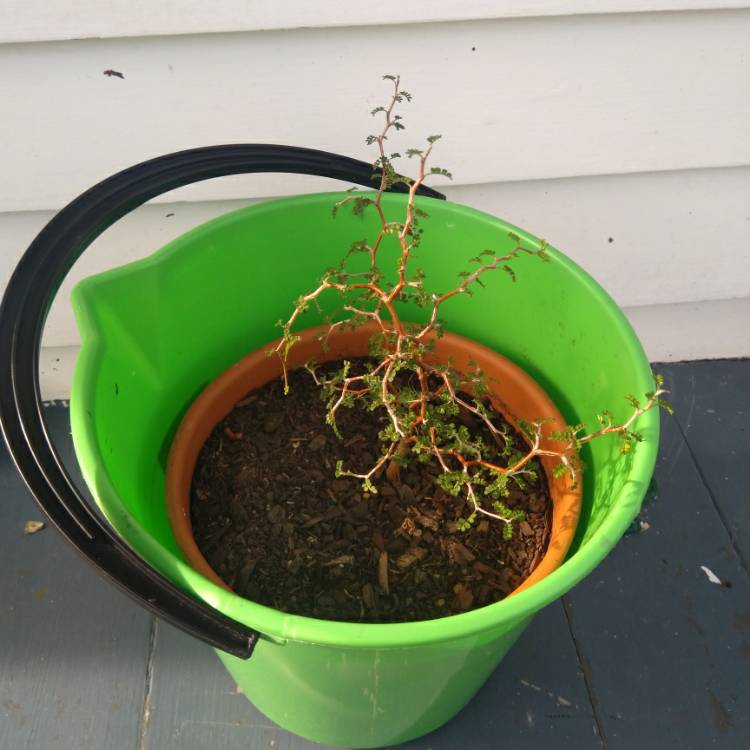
x=422, y=399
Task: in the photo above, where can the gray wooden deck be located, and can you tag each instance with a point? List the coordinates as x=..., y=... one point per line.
x=645, y=653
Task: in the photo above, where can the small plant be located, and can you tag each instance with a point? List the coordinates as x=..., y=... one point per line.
x=422, y=399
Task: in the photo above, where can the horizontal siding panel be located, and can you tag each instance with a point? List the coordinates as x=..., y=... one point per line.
x=649, y=239
x=40, y=20
x=675, y=237
x=717, y=330
x=514, y=99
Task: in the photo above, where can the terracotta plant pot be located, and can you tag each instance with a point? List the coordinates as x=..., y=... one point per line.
x=517, y=397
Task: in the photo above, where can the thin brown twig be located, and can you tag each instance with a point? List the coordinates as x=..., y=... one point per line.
x=404, y=343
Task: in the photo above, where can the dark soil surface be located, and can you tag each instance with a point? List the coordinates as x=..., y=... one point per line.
x=274, y=522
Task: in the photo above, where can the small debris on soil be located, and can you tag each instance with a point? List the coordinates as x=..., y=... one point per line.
x=32, y=527
x=276, y=524
x=231, y=434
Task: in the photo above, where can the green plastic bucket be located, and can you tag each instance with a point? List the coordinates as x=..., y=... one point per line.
x=156, y=332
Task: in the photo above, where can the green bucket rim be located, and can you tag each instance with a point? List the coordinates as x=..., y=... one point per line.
x=280, y=626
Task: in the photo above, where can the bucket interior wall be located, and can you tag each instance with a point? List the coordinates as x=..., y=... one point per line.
x=157, y=331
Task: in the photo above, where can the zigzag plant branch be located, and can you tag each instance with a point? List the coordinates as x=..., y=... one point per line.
x=422, y=408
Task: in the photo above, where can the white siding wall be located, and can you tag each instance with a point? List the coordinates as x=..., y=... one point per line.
x=578, y=126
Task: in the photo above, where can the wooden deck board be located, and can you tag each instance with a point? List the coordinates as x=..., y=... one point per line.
x=666, y=650
x=712, y=402
x=72, y=648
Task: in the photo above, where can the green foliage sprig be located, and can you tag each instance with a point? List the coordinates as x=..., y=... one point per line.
x=423, y=400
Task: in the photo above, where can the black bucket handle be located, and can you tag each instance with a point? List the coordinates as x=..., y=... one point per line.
x=26, y=302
